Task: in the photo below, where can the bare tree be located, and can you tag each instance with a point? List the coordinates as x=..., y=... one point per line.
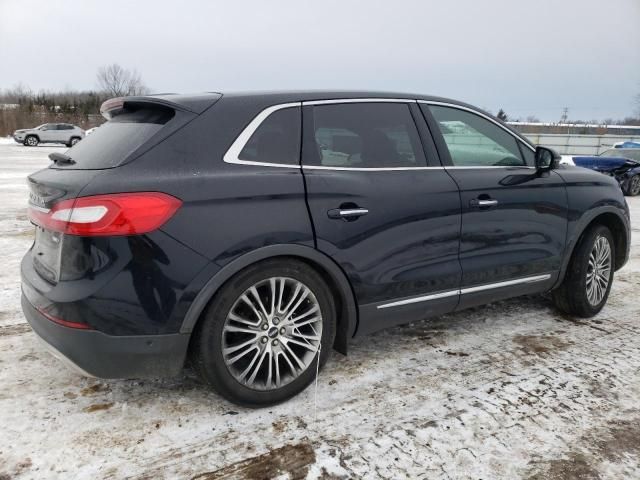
x=119, y=82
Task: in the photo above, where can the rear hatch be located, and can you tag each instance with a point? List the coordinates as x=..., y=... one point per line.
x=135, y=125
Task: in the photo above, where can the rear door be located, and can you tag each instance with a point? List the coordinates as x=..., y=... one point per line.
x=389, y=218
x=514, y=219
x=63, y=132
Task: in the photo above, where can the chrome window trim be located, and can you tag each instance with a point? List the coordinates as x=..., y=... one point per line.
x=233, y=153
x=461, y=107
x=372, y=169
x=463, y=291
x=358, y=100
x=473, y=167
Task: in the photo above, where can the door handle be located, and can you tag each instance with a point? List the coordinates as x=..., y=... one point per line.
x=484, y=203
x=347, y=213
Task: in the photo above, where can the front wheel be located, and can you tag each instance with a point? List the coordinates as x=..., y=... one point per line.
x=589, y=276
x=265, y=333
x=633, y=186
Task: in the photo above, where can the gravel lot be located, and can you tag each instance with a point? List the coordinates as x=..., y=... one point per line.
x=511, y=390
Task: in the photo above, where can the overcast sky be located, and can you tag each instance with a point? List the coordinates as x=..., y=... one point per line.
x=530, y=58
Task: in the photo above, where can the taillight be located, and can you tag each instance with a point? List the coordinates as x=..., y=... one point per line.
x=102, y=215
x=64, y=323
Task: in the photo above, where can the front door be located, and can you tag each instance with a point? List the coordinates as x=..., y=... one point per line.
x=48, y=133
x=390, y=219
x=514, y=219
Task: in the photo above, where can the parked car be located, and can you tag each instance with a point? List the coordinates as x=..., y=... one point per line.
x=627, y=144
x=251, y=233
x=50, y=133
x=621, y=163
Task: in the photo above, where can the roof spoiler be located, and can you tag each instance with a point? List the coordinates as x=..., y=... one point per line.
x=186, y=103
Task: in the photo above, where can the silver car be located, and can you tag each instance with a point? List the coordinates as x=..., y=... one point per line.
x=50, y=133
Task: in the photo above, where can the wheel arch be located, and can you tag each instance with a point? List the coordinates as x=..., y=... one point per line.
x=611, y=218
x=347, y=312
x=32, y=135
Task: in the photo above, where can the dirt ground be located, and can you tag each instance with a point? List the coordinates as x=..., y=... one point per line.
x=510, y=390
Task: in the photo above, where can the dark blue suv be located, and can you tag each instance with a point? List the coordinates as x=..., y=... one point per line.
x=253, y=233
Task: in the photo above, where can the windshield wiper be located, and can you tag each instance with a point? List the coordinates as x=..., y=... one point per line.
x=61, y=159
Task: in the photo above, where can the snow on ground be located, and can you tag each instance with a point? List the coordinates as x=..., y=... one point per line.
x=510, y=390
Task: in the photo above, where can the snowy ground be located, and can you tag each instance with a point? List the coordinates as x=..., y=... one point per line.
x=511, y=390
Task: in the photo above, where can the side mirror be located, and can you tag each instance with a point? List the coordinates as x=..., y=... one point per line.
x=546, y=159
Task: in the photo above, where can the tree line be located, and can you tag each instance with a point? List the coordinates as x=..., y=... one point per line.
x=20, y=107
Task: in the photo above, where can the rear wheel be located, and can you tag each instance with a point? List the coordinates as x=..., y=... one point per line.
x=589, y=276
x=633, y=186
x=31, y=141
x=73, y=141
x=262, y=336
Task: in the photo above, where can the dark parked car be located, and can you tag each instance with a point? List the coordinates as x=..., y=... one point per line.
x=621, y=163
x=251, y=233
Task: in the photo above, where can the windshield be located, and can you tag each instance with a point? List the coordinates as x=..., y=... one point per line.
x=115, y=140
x=632, y=153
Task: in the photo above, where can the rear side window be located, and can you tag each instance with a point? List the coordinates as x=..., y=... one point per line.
x=366, y=135
x=115, y=140
x=277, y=139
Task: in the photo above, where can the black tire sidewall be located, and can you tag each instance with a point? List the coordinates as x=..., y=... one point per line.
x=26, y=141
x=207, y=343
x=577, y=276
x=629, y=190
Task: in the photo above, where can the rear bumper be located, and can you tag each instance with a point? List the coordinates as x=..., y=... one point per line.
x=96, y=354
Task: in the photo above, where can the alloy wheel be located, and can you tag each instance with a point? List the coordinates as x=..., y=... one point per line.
x=598, y=270
x=272, y=333
x=32, y=142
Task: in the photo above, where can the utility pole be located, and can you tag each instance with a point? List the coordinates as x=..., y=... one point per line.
x=564, y=118
x=565, y=115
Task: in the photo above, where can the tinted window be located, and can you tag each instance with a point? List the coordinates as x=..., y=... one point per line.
x=475, y=141
x=277, y=139
x=528, y=154
x=366, y=135
x=118, y=138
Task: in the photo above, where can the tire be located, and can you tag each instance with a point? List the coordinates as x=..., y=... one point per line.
x=31, y=141
x=633, y=186
x=267, y=346
x=573, y=296
x=73, y=141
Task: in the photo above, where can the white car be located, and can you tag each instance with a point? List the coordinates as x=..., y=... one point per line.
x=50, y=133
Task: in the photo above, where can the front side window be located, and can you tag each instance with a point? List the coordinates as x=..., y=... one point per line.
x=276, y=140
x=474, y=141
x=365, y=135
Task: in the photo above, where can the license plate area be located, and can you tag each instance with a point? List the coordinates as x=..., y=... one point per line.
x=46, y=253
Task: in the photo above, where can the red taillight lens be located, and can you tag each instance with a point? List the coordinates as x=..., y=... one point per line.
x=102, y=215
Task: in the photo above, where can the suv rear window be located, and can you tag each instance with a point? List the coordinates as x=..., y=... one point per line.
x=112, y=143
